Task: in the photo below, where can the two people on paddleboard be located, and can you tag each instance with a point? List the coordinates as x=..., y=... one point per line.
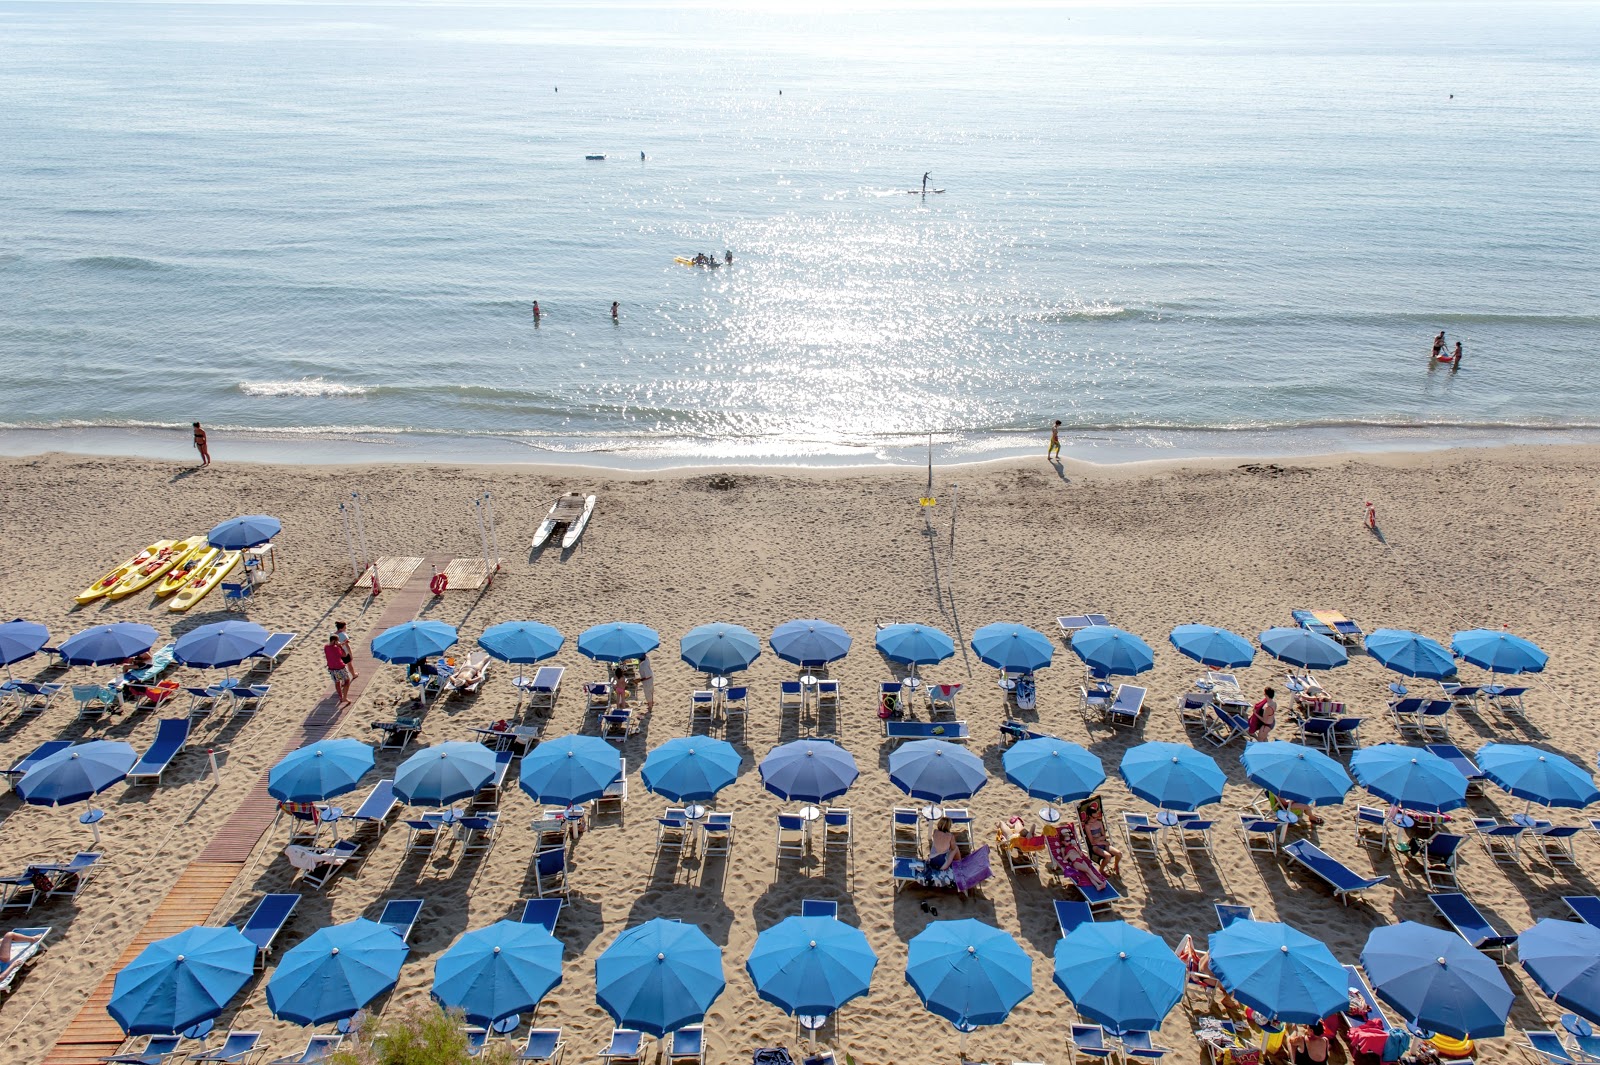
x=1453, y=359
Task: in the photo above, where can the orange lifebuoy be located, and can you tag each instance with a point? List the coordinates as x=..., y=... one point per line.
x=439, y=583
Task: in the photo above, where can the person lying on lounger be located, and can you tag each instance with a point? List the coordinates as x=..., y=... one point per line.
x=14, y=943
x=1091, y=814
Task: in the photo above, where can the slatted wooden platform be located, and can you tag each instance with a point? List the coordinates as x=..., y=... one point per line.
x=392, y=572
x=467, y=574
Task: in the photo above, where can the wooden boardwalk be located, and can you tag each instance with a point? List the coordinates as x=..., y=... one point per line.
x=92, y=1034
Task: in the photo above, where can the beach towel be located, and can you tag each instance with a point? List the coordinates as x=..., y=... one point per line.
x=929, y=877
x=305, y=811
x=1070, y=859
x=969, y=872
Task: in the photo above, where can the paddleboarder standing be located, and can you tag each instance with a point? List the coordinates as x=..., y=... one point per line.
x=925, y=181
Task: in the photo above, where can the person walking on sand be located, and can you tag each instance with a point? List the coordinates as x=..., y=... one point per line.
x=200, y=445
x=613, y=310
x=333, y=655
x=1438, y=344
x=1054, y=450
x=344, y=642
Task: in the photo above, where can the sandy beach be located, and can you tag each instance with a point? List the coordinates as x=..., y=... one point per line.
x=1468, y=538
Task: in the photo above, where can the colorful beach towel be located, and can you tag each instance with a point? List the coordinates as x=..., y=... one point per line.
x=1070, y=859
x=972, y=870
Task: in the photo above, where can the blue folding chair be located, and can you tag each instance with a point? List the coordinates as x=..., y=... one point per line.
x=544, y=1047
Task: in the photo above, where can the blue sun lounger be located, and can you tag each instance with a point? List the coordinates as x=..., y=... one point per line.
x=1470, y=924
x=1344, y=881
x=157, y=1049
x=33, y=758
x=1227, y=913
x=376, y=809
x=541, y=911
x=399, y=916
x=1463, y=764
x=1585, y=908
x=1070, y=914
x=954, y=731
x=235, y=1050
x=1127, y=706
x=1359, y=988
x=1099, y=898
x=23, y=956
x=543, y=1045
x=1549, y=1047
x=318, y=1048
x=171, y=734
x=819, y=908
x=266, y=921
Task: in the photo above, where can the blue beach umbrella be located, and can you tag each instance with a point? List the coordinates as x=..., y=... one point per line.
x=1303, y=648
x=659, y=976
x=1053, y=770
x=1437, y=980
x=968, y=972
x=1279, y=971
x=239, y=534
x=1296, y=772
x=569, y=770
x=936, y=770
x=21, y=639
x=617, y=641
x=1412, y=777
x=1410, y=653
x=1211, y=646
x=809, y=770
x=1013, y=648
x=499, y=971
x=522, y=642
x=319, y=771
x=104, y=645
x=811, y=965
x=1538, y=776
x=809, y=642
x=220, y=644
x=1172, y=776
x=1112, y=652
x=913, y=645
x=1499, y=652
x=335, y=971
x=1563, y=958
x=182, y=980
x=690, y=768
x=444, y=773
x=719, y=648
x=1119, y=975
x=413, y=641
x=76, y=774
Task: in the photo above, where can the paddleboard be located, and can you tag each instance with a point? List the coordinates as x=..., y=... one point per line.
x=594, y=157
x=117, y=574
x=180, y=573
x=922, y=192
x=199, y=585
x=575, y=529
x=159, y=564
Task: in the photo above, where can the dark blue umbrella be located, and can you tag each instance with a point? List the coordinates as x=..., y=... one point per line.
x=238, y=534
x=1172, y=776
x=444, y=773
x=1013, y=648
x=617, y=641
x=1278, y=971
x=809, y=642
x=1437, y=980
x=319, y=771
x=220, y=644
x=1296, y=772
x=808, y=770
x=1119, y=975
x=1538, y=776
x=103, y=645
x=1563, y=957
x=569, y=770
x=1414, y=655
x=76, y=774
x=522, y=642
x=719, y=648
x=1053, y=770
x=1412, y=777
x=811, y=965
x=335, y=971
x=182, y=980
x=1211, y=646
x=690, y=768
x=659, y=976
x=497, y=972
x=1499, y=652
x=968, y=972
x=1303, y=648
x=1111, y=652
x=413, y=641
x=21, y=639
x=936, y=770
x=913, y=645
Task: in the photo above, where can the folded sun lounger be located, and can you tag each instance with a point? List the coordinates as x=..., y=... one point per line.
x=1344, y=881
x=171, y=734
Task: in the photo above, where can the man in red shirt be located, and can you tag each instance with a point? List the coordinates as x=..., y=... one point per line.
x=333, y=653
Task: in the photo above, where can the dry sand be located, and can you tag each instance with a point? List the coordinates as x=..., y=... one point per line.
x=1469, y=538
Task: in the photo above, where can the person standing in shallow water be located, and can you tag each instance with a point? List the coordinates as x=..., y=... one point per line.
x=613, y=310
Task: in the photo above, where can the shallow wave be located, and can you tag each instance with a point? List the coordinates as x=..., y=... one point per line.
x=118, y=262
x=306, y=386
x=1105, y=312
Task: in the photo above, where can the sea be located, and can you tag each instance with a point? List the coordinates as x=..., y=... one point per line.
x=1179, y=228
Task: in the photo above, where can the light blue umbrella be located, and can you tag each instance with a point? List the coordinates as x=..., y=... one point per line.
x=413, y=641
x=1499, y=652
x=239, y=534
x=1053, y=770
x=720, y=648
x=1303, y=648
x=335, y=971
x=659, y=976
x=21, y=639
x=1295, y=772
x=499, y=971
x=1119, y=975
x=968, y=972
x=76, y=774
x=913, y=645
x=1412, y=777
x=809, y=770
x=1012, y=647
x=1410, y=653
x=319, y=771
x=1563, y=957
x=220, y=644
x=104, y=645
x=1172, y=776
x=690, y=768
x=1437, y=980
x=182, y=980
x=1111, y=652
x=1211, y=646
x=444, y=773
x=569, y=770
x=936, y=770
x=811, y=965
x=809, y=642
x=1278, y=971
x=617, y=641
x=522, y=642
x=1538, y=776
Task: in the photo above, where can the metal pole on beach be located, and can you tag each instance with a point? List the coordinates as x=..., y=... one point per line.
x=355, y=563
x=494, y=539
x=361, y=530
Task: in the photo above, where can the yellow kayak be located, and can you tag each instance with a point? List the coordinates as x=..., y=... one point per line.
x=179, y=575
x=202, y=580
x=114, y=576
x=156, y=567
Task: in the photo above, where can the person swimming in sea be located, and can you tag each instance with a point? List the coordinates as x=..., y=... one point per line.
x=1438, y=344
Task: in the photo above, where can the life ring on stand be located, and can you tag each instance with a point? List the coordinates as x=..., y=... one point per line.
x=438, y=584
